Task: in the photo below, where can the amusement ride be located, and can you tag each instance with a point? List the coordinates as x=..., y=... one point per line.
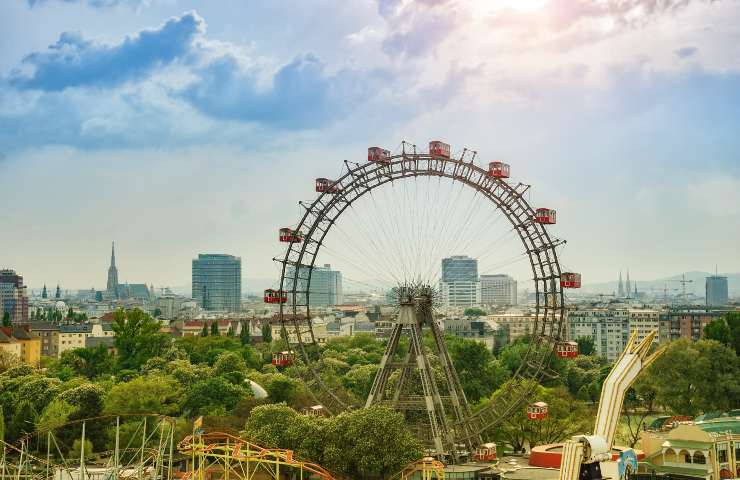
x=436, y=410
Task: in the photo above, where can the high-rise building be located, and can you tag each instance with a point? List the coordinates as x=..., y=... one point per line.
x=459, y=285
x=497, y=290
x=13, y=297
x=716, y=291
x=217, y=282
x=325, y=289
x=112, y=287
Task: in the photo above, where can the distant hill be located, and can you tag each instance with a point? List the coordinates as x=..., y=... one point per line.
x=696, y=286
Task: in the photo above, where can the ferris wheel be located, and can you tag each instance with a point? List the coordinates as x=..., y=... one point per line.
x=417, y=222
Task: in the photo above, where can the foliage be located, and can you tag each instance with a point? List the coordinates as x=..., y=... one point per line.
x=479, y=372
x=266, y=333
x=88, y=362
x=586, y=345
x=204, y=331
x=214, y=328
x=213, y=396
x=694, y=377
x=474, y=312
x=76, y=451
x=567, y=417
x=244, y=333
x=281, y=388
x=54, y=415
x=150, y=394
x=137, y=338
x=359, y=380
x=725, y=330
x=8, y=360
x=6, y=320
x=369, y=443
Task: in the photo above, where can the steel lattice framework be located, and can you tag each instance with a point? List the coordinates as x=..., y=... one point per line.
x=358, y=180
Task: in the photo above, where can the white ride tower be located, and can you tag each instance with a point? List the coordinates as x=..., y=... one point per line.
x=586, y=456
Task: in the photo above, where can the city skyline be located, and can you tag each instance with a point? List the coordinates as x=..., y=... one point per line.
x=631, y=179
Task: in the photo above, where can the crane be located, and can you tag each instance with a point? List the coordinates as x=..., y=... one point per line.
x=583, y=454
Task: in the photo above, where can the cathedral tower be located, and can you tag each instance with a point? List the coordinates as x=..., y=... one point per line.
x=112, y=288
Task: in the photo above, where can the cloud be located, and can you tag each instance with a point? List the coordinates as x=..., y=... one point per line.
x=416, y=28
x=302, y=94
x=94, y=3
x=74, y=61
x=685, y=52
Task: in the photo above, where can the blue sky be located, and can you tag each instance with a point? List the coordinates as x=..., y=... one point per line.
x=177, y=127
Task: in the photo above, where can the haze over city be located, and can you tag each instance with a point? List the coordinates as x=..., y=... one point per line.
x=178, y=127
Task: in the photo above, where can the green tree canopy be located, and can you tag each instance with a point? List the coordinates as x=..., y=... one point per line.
x=149, y=394
x=213, y=396
x=137, y=338
x=474, y=312
x=586, y=345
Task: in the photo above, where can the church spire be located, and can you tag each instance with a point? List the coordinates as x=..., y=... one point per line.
x=44, y=293
x=58, y=293
x=113, y=254
x=620, y=287
x=112, y=285
x=628, y=284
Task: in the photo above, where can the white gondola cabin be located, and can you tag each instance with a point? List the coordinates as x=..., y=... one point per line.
x=275, y=296
x=570, y=280
x=567, y=349
x=499, y=170
x=486, y=453
x=378, y=154
x=545, y=216
x=537, y=411
x=439, y=149
x=283, y=359
x=326, y=185
x=289, y=235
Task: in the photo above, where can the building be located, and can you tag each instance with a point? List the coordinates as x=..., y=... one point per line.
x=716, y=291
x=112, y=285
x=28, y=348
x=608, y=328
x=49, y=335
x=194, y=328
x=10, y=345
x=217, y=282
x=459, y=285
x=325, y=289
x=517, y=323
x=498, y=290
x=707, y=450
x=679, y=323
x=482, y=329
x=73, y=336
x=644, y=321
x=13, y=297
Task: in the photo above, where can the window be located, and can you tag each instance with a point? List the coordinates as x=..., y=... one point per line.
x=722, y=453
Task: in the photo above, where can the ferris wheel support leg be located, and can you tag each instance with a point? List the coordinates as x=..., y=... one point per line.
x=377, y=391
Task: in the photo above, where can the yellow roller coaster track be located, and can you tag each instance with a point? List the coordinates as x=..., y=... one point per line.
x=225, y=456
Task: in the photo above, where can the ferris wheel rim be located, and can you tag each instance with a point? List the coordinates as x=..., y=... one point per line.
x=364, y=178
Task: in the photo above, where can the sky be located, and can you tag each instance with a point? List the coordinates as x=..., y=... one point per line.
x=180, y=126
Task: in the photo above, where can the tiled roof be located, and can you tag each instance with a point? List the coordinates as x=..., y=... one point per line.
x=4, y=338
x=43, y=326
x=95, y=341
x=23, y=334
x=77, y=328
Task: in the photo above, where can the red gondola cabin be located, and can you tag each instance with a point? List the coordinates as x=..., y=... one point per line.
x=537, y=411
x=545, y=216
x=275, y=296
x=570, y=280
x=326, y=185
x=289, y=235
x=283, y=359
x=439, y=149
x=567, y=349
x=499, y=170
x=486, y=453
x=377, y=154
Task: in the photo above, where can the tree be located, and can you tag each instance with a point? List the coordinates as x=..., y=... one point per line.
x=213, y=396
x=281, y=388
x=586, y=345
x=567, y=417
x=157, y=312
x=474, y=312
x=137, y=338
x=733, y=321
x=480, y=374
x=230, y=331
x=266, y=333
x=231, y=366
x=89, y=362
x=204, y=331
x=359, y=380
x=8, y=360
x=718, y=330
x=369, y=443
x=156, y=393
x=214, y=328
x=6, y=320
x=695, y=377
x=244, y=335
